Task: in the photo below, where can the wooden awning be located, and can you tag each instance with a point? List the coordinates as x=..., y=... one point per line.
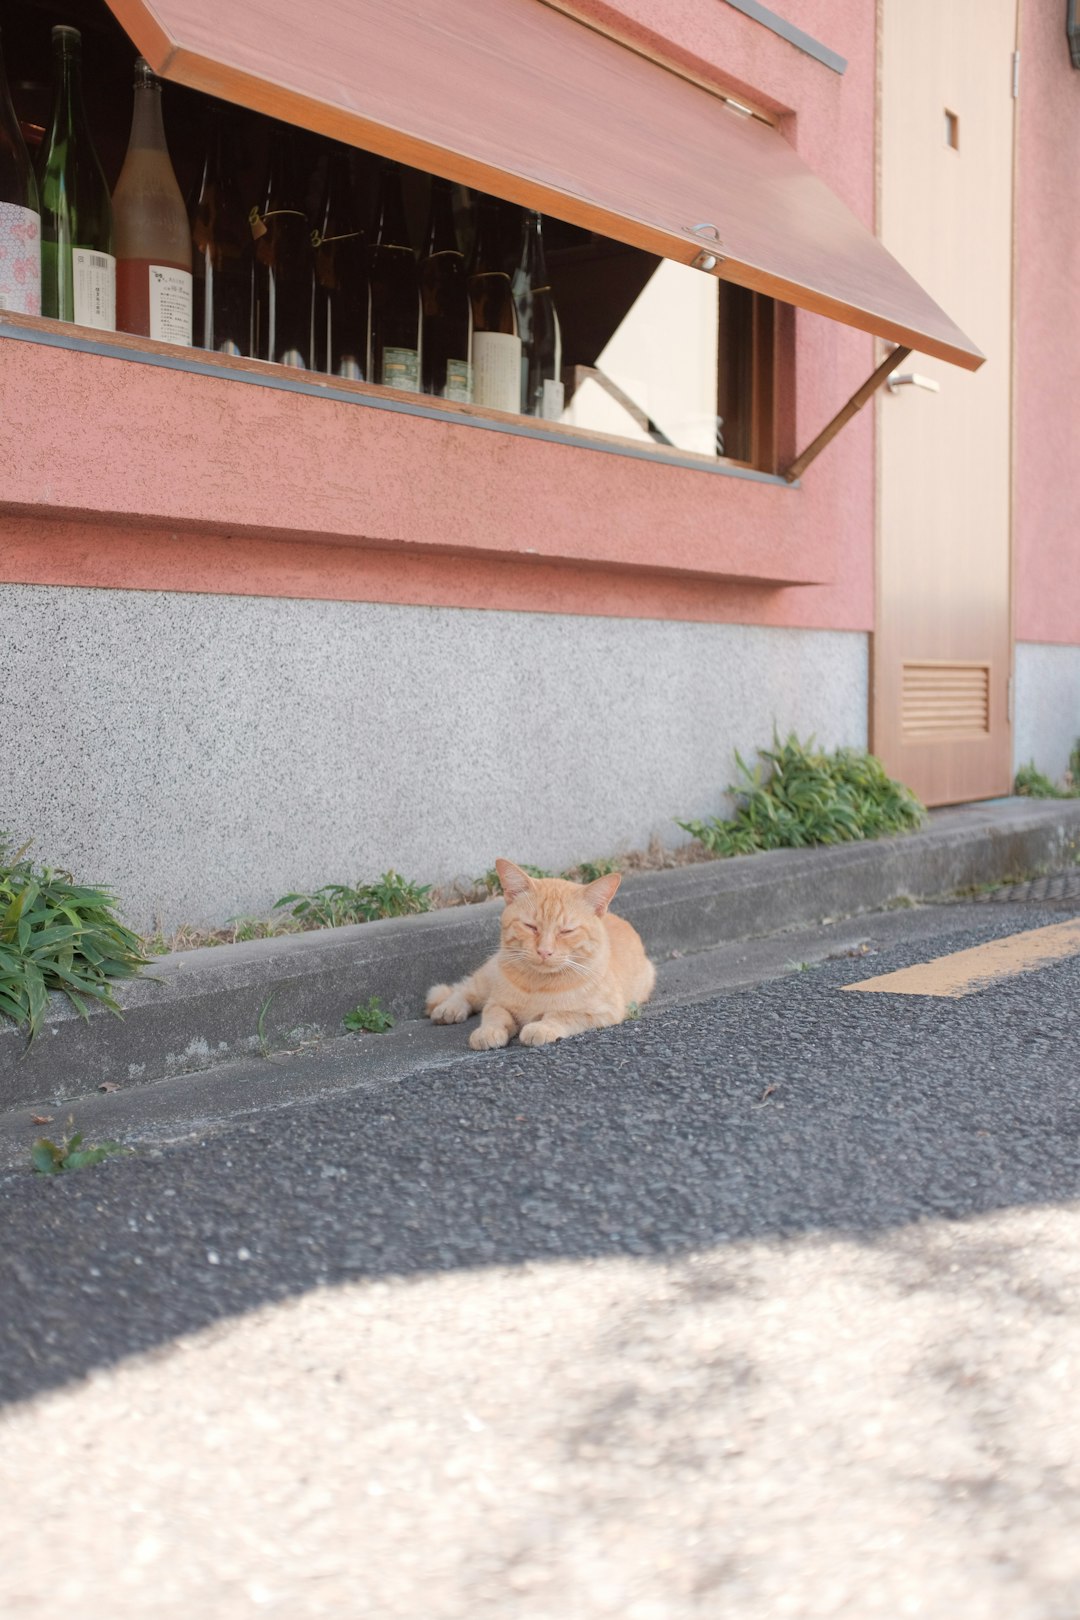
x=517, y=98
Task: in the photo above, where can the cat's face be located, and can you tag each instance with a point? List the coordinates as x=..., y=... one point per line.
x=552, y=926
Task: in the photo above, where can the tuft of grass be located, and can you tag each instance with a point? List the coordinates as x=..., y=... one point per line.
x=1031, y=783
x=797, y=797
x=490, y=879
x=56, y=934
x=589, y=871
x=336, y=905
x=370, y=1018
x=633, y=1011
x=52, y=1158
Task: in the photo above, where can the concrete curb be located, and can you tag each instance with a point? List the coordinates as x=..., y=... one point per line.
x=204, y=1007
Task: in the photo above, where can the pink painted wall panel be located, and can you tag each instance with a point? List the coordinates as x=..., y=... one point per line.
x=1047, y=396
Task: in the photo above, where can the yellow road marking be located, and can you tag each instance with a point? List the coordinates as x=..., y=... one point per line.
x=974, y=969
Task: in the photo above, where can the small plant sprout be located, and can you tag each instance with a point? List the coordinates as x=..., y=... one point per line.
x=51, y=1158
x=368, y=1018
x=264, y=1044
x=633, y=1011
x=337, y=904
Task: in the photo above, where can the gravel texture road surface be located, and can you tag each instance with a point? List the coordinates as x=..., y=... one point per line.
x=767, y=1306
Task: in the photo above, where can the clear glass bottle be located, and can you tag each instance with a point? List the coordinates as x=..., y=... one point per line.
x=393, y=292
x=78, y=264
x=153, y=238
x=20, y=215
x=496, y=350
x=221, y=259
x=283, y=258
x=447, y=310
x=538, y=325
x=340, y=276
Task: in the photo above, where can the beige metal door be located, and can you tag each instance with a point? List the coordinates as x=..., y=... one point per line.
x=942, y=649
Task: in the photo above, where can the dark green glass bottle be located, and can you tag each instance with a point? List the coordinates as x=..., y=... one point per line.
x=538, y=324
x=78, y=266
x=444, y=295
x=393, y=293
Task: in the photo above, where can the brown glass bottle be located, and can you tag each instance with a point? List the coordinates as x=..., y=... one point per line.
x=153, y=240
x=340, y=308
x=496, y=351
x=538, y=324
x=221, y=248
x=283, y=258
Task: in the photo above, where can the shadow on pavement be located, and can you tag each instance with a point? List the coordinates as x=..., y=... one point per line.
x=786, y=1110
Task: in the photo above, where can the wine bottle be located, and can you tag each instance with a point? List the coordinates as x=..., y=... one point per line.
x=78, y=266
x=444, y=296
x=221, y=250
x=340, y=277
x=20, y=215
x=283, y=268
x=393, y=293
x=538, y=324
x=153, y=240
x=496, y=343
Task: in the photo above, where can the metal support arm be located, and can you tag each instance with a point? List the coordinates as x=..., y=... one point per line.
x=854, y=404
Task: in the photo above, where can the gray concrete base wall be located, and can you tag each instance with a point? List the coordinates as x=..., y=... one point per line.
x=1047, y=705
x=204, y=755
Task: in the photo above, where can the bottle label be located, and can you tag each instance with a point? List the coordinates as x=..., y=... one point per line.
x=551, y=403
x=459, y=382
x=170, y=304
x=20, y=260
x=401, y=369
x=497, y=370
x=94, y=279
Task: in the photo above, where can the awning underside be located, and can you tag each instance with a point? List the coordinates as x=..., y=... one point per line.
x=515, y=97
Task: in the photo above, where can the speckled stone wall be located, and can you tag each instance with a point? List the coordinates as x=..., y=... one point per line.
x=206, y=754
x=1047, y=705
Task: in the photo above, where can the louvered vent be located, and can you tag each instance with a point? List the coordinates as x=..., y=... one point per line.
x=939, y=699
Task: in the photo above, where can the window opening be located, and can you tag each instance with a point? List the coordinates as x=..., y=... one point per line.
x=335, y=254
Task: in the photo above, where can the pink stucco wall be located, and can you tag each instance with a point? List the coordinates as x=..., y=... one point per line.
x=173, y=480
x=1046, y=408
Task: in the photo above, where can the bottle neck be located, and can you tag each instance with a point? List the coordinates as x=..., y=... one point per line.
x=487, y=258
x=532, y=250
x=68, y=112
x=392, y=230
x=147, y=125
x=283, y=190
x=441, y=233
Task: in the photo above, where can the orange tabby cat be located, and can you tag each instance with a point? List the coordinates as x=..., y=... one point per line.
x=564, y=965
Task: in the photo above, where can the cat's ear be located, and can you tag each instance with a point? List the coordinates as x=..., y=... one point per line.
x=601, y=891
x=514, y=881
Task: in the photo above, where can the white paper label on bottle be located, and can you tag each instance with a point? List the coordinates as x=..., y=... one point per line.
x=459, y=382
x=401, y=369
x=93, y=276
x=20, y=260
x=551, y=404
x=170, y=304
x=497, y=370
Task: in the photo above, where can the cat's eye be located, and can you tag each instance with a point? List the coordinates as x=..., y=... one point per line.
x=568, y=930
x=532, y=928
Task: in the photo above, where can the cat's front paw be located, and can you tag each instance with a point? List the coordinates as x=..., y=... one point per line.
x=487, y=1036
x=446, y=1006
x=539, y=1033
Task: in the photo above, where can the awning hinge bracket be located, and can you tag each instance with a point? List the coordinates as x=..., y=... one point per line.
x=895, y=358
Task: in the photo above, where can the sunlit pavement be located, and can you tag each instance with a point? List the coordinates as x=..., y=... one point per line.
x=765, y=1306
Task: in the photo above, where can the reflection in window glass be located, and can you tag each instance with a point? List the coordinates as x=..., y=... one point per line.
x=655, y=377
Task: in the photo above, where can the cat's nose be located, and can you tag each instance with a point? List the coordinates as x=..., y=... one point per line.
x=543, y=953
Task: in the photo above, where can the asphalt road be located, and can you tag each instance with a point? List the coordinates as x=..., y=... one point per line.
x=765, y=1306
